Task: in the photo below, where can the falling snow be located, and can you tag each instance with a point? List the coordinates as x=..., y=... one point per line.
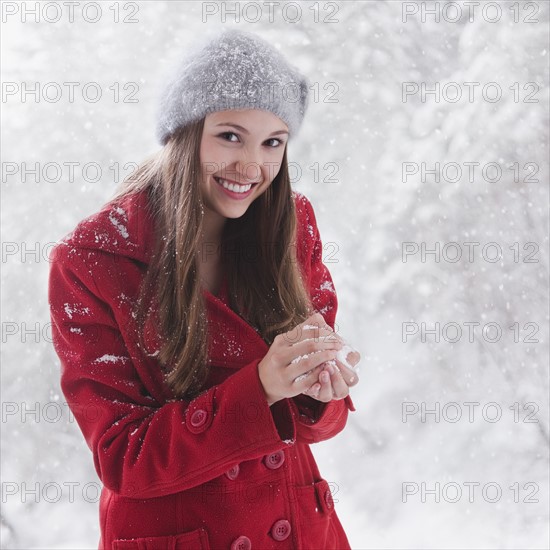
x=358, y=135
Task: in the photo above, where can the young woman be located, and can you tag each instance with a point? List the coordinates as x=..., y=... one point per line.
x=194, y=321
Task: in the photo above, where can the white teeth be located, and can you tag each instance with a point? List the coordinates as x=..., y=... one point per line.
x=233, y=187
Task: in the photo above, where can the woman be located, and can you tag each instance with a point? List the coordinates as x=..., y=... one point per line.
x=194, y=321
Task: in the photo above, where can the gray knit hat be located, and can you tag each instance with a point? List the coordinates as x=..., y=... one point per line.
x=233, y=70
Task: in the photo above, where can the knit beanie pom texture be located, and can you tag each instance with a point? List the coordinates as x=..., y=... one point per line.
x=233, y=69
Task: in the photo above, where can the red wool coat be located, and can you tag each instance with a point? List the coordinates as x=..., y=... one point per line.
x=223, y=470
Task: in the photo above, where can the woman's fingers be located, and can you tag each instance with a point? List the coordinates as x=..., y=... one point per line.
x=353, y=357
x=310, y=352
x=313, y=391
x=304, y=365
x=325, y=393
x=322, y=389
x=310, y=348
x=340, y=387
x=318, y=383
x=349, y=376
x=336, y=386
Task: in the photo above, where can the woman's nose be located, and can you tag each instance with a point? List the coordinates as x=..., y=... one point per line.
x=249, y=165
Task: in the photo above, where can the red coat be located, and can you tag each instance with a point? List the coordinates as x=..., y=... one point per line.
x=223, y=470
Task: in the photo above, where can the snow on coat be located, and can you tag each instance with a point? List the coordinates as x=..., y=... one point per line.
x=223, y=470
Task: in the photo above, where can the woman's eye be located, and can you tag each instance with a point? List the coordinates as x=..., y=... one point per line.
x=279, y=142
x=224, y=134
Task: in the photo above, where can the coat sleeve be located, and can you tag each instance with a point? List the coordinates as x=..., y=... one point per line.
x=315, y=420
x=144, y=446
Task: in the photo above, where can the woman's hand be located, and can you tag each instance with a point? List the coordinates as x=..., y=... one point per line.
x=296, y=357
x=335, y=377
x=334, y=382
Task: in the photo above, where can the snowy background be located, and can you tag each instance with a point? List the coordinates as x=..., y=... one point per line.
x=361, y=153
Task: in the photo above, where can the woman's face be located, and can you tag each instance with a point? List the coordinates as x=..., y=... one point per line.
x=239, y=148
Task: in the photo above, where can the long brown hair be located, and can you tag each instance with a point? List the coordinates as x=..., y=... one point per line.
x=258, y=254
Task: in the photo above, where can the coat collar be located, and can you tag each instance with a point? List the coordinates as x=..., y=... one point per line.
x=123, y=227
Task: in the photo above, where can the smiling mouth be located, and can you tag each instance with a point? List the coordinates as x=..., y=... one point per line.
x=235, y=186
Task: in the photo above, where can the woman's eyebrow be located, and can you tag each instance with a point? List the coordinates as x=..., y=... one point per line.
x=244, y=130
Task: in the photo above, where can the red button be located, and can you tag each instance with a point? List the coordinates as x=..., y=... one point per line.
x=275, y=460
x=328, y=499
x=241, y=543
x=281, y=529
x=233, y=472
x=198, y=418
